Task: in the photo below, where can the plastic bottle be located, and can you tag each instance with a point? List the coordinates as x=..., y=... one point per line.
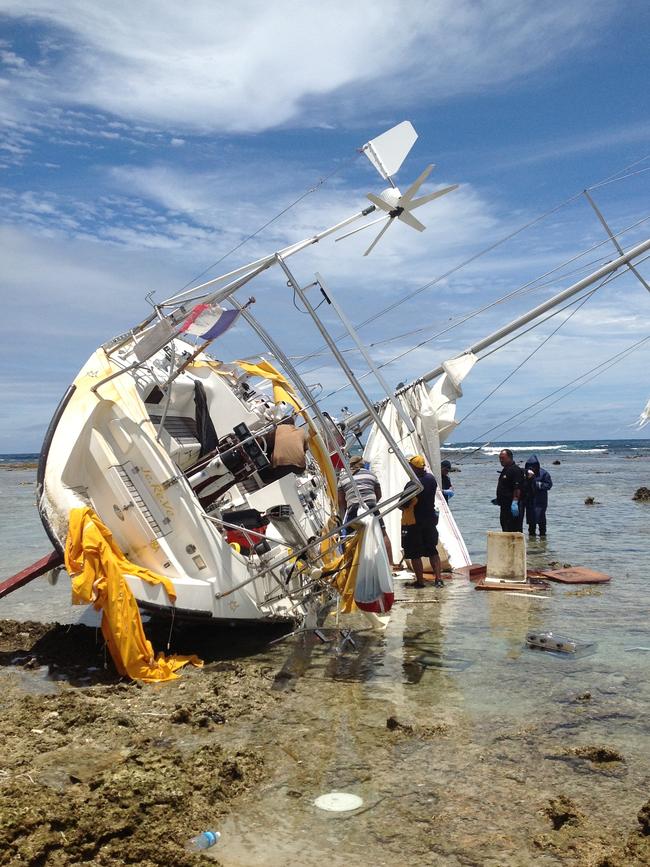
x=551, y=641
x=202, y=841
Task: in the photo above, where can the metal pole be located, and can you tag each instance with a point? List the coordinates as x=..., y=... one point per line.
x=350, y=374
x=399, y=409
x=614, y=265
x=614, y=239
x=267, y=261
x=298, y=380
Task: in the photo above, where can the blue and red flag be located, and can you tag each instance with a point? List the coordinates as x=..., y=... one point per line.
x=208, y=321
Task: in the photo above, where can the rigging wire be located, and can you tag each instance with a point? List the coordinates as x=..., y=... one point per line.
x=461, y=319
x=492, y=304
x=524, y=289
x=580, y=301
x=620, y=176
x=615, y=177
x=610, y=362
x=285, y=210
x=596, y=371
x=610, y=278
x=525, y=361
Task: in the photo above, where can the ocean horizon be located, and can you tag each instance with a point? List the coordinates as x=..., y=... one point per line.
x=575, y=446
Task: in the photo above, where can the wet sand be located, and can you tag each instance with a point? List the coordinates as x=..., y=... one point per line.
x=97, y=770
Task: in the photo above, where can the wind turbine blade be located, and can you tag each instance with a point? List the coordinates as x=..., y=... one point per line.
x=361, y=228
x=380, y=203
x=376, y=241
x=408, y=218
x=424, y=199
x=415, y=186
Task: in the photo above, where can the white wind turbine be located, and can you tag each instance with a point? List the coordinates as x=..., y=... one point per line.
x=387, y=152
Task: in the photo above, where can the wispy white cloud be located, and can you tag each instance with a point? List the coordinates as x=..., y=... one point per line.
x=141, y=119
x=249, y=67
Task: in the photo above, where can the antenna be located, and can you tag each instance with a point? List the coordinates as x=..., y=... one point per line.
x=387, y=152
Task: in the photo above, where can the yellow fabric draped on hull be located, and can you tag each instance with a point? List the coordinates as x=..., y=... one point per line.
x=98, y=567
x=348, y=567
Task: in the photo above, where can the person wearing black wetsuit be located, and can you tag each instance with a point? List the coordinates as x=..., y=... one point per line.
x=510, y=490
x=445, y=481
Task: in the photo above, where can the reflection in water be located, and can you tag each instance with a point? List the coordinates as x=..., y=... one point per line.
x=512, y=617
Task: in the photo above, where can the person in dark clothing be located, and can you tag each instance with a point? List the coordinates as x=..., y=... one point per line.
x=538, y=484
x=419, y=530
x=445, y=481
x=510, y=493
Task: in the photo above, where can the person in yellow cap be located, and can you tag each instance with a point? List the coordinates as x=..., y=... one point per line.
x=419, y=520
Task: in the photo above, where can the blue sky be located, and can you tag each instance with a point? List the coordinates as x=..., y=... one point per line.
x=143, y=142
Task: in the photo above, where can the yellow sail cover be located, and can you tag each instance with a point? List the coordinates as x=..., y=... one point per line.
x=98, y=567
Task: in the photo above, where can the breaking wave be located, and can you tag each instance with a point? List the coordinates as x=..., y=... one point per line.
x=529, y=448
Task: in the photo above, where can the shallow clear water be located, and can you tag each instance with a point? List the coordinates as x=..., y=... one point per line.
x=459, y=661
x=22, y=542
x=475, y=794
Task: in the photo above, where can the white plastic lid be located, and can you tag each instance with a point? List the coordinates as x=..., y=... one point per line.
x=338, y=802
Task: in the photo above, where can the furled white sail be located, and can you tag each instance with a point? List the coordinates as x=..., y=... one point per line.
x=434, y=416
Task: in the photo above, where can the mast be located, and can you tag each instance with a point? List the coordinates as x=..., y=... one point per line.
x=254, y=268
x=609, y=268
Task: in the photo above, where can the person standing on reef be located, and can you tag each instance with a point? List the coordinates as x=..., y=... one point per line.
x=370, y=491
x=538, y=484
x=510, y=493
x=419, y=530
x=445, y=481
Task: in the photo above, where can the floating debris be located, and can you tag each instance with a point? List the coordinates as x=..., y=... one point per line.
x=338, y=802
x=552, y=641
